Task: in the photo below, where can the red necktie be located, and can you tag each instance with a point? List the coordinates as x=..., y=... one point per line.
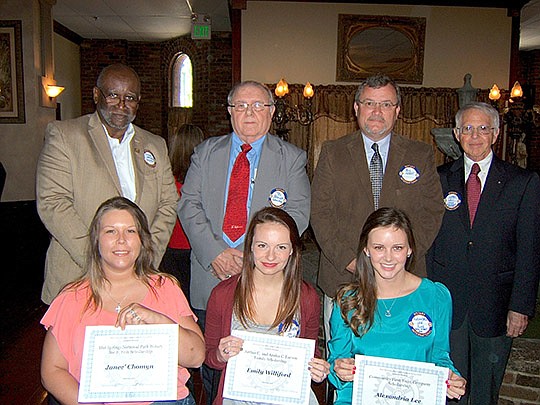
x=234, y=223
x=474, y=189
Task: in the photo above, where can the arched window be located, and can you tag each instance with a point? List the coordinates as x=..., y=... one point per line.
x=182, y=81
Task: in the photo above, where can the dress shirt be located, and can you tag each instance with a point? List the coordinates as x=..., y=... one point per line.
x=123, y=161
x=384, y=146
x=484, y=168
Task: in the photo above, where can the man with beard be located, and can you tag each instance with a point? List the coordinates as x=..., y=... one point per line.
x=363, y=171
x=85, y=161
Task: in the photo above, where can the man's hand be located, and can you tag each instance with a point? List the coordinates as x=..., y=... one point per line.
x=516, y=324
x=227, y=263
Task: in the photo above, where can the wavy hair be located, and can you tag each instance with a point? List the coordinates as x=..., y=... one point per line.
x=94, y=274
x=181, y=145
x=358, y=300
x=289, y=301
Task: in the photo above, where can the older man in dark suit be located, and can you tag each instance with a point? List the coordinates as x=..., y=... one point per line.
x=365, y=170
x=486, y=252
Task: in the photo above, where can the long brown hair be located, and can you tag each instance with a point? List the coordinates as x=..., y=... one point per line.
x=289, y=301
x=181, y=145
x=94, y=273
x=358, y=300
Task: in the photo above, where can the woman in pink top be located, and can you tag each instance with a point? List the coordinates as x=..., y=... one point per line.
x=119, y=287
x=176, y=260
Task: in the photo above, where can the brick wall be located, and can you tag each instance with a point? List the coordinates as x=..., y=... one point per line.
x=521, y=385
x=212, y=70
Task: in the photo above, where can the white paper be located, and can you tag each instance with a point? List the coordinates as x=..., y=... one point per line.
x=139, y=363
x=380, y=380
x=270, y=369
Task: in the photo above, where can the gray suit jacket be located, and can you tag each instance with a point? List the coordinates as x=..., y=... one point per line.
x=343, y=200
x=201, y=207
x=76, y=173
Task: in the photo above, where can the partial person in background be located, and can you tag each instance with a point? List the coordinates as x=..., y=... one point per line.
x=120, y=287
x=89, y=159
x=388, y=311
x=487, y=252
x=268, y=296
x=176, y=259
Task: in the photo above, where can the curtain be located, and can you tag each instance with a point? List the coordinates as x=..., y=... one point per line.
x=422, y=109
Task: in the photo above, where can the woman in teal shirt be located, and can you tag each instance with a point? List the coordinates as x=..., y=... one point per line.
x=388, y=311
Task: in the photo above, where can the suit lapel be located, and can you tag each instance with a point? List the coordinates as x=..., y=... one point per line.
x=359, y=166
x=490, y=194
x=99, y=138
x=137, y=152
x=396, y=154
x=268, y=170
x=456, y=183
x=217, y=174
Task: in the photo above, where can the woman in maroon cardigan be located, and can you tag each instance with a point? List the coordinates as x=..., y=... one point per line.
x=268, y=296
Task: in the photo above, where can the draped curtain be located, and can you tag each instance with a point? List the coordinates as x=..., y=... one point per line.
x=422, y=109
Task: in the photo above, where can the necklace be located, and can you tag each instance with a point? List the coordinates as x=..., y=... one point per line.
x=118, y=303
x=388, y=312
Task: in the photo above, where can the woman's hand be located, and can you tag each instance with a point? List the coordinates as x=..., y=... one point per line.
x=228, y=347
x=455, y=385
x=345, y=369
x=137, y=314
x=318, y=369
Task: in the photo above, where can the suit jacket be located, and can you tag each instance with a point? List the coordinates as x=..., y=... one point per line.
x=201, y=207
x=76, y=173
x=493, y=267
x=342, y=201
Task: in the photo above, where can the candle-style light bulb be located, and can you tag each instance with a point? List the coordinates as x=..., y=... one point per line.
x=516, y=90
x=308, y=90
x=282, y=88
x=494, y=93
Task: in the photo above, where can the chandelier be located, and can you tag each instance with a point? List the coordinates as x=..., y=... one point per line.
x=285, y=112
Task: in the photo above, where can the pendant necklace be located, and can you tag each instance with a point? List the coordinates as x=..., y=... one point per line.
x=118, y=304
x=388, y=312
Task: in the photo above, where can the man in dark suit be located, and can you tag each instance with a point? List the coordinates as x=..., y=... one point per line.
x=344, y=192
x=488, y=257
x=277, y=173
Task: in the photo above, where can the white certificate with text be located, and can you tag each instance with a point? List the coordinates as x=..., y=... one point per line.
x=270, y=369
x=139, y=363
x=380, y=380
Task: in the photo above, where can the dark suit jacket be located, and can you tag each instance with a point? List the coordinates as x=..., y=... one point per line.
x=493, y=267
x=342, y=200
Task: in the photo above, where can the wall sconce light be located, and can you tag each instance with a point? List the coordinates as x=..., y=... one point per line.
x=49, y=91
x=519, y=117
x=285, y=112
x=53, y=90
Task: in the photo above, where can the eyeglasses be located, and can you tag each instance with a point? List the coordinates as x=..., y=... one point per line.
x=114, y=99
x=371, y=105
x=480, y=130
x=256, y=106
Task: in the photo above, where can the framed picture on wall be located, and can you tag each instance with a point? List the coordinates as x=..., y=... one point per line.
x=11, y=73
x=371, y=44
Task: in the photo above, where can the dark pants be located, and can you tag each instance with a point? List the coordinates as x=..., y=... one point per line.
x=210, y=377
x=481, y=361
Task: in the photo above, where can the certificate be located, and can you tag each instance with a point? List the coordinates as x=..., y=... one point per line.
x=270, y=369
x=380, y=380
x=139, y=363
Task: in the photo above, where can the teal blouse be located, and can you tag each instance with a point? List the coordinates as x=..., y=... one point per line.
x=418, y=329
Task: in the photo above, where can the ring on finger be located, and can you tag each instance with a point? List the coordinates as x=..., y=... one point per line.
x=227, y=276
x=226, y=351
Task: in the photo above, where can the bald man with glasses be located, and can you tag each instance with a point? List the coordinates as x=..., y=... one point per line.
x=86, y=160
